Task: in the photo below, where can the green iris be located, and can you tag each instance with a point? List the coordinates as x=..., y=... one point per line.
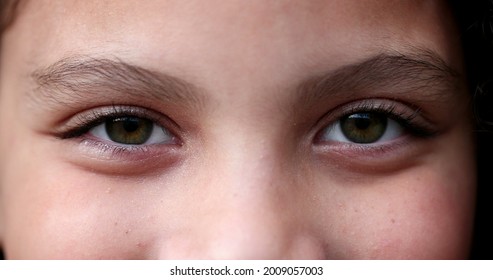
x=364, y=128
x=129, y=130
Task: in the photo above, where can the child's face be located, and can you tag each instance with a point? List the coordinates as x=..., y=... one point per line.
x=234, y=129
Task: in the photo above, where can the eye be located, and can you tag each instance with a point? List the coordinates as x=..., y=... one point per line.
x=363, y=128
x=130, y=130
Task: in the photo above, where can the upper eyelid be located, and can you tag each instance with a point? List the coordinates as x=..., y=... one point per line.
x=389, y=109
x=408, y=116
x=354, y=107
x=82, y=122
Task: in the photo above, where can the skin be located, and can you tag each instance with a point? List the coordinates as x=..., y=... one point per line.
x=248, y=176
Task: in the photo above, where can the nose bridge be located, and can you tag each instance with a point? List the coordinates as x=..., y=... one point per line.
x=249, y=168
x=244, y=146
x=249, y=179
x=245, y=203
x=252, y=212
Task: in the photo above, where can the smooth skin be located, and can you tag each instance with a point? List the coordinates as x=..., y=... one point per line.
x=249, y=170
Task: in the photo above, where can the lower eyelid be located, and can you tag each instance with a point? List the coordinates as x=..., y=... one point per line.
x=96, y=156
x=385, y=156
x=91, y=147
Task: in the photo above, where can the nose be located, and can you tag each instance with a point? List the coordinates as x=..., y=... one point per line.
x=249, y=208
x=256, y=229
x=236, y=227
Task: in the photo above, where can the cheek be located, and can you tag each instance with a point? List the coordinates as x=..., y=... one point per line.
x=423, y=213
x=58, y=212
x=431, y=221
x=43, y=214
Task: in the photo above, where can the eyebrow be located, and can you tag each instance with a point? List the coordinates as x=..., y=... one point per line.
x=82, y=78
x=420, y=72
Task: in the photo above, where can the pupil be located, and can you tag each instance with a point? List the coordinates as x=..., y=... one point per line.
x=362, y=123
x=131, y=124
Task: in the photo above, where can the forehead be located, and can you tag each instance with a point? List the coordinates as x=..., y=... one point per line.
x=285, y=36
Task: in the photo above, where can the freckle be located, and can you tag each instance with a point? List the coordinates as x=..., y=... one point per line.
x=128, y=231
x=116, y=223
x=393, y=221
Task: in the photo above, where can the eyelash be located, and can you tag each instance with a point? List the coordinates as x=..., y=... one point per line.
x=84, y=123
x=408, y=118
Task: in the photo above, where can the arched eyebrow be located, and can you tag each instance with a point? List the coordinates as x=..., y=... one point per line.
x=420, y=73
x=78, y=79
x=81, y=78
